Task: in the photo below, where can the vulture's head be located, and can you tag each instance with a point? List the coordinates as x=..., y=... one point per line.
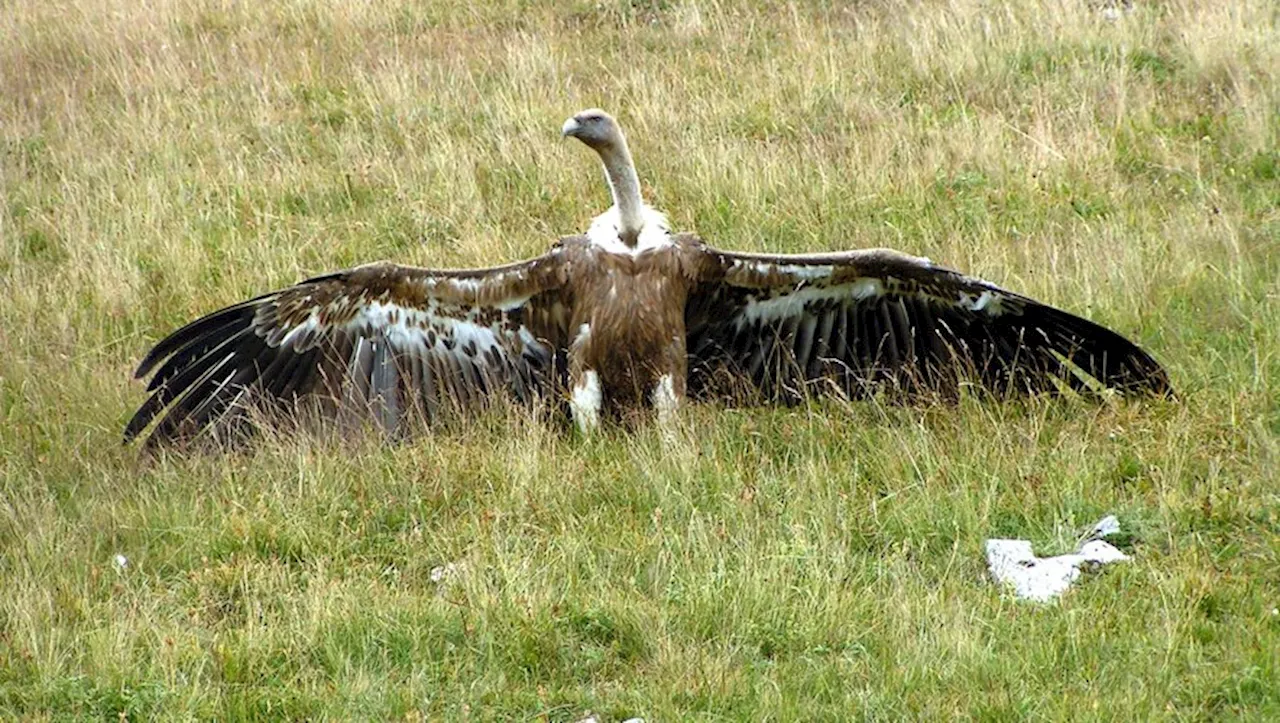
x=595, y=128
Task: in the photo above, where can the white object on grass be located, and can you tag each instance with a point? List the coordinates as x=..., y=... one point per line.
x=1106, y=527
x=440, y=573
x=1013, y=563
x=121, y=561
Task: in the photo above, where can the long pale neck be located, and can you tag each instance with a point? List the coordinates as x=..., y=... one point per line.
x=625, y=185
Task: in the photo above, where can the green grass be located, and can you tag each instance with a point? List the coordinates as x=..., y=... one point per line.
x=822, y=562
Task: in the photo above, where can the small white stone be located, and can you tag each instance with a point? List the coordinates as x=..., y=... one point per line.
x=1100, y=552
x=1106, y=527
x=1013, y=563
x=440, y=573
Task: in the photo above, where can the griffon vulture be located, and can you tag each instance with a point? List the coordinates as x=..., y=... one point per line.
x=627, y=316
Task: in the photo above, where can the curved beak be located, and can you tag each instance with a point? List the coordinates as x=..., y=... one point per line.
x=570, y=128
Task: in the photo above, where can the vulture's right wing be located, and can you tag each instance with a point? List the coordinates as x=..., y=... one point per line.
x=383, y=339
x=878, y=319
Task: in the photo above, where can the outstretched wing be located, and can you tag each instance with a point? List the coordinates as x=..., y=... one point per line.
x=876, y=319
x=382, y=337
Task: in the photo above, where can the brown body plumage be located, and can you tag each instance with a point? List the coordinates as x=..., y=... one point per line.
x=625, y=317
x=629, y=320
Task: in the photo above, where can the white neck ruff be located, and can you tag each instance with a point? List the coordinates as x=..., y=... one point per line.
x=604, y=232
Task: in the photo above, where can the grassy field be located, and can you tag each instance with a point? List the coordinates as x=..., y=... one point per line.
x=163, y=159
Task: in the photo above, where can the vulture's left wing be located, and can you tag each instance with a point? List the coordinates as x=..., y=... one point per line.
x=877, y=319
x=381, y=339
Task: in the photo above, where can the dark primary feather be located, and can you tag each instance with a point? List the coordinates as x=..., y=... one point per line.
x=382, y=340
x=866, y=321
